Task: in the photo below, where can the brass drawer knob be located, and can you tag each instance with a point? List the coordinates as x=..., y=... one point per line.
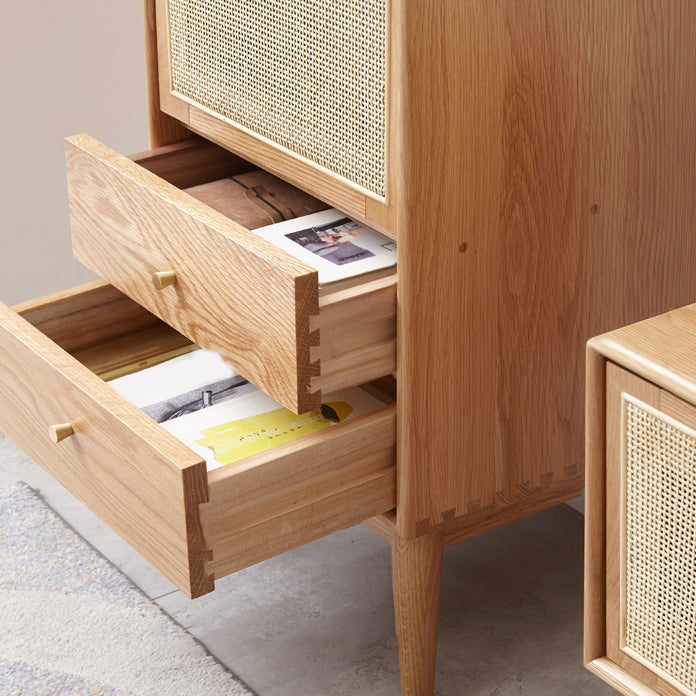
x=60, y=432
x=163, y=279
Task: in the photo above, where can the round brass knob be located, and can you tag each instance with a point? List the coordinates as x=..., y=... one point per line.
x=163, y=279
x=60, y=432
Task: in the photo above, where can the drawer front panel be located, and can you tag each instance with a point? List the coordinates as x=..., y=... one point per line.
x=233, y=293
x=130, y=472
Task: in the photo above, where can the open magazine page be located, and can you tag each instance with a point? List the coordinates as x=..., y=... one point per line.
x=222, y=417
x=337, y=246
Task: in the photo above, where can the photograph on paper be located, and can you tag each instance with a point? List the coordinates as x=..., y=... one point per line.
x=221, y=416
x=337, y=246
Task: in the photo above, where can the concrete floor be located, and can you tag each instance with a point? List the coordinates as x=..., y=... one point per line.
x=319, y=621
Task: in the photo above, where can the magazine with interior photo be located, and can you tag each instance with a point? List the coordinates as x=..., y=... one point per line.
x=222, y=417
x=337, y=246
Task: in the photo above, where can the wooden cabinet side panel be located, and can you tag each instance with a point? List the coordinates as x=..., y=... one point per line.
x=594, y=591
x=548, y=150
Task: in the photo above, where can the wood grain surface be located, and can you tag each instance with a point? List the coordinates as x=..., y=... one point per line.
x=357, y=333
x=138, y=478
x=235, y=293
x=417, y=573
x=86, y=315
x=191, y=162
x=660, y=348
x=162, y=128
x=621, y=680
x=298, y=492
x=547, y=192
x=594, y=591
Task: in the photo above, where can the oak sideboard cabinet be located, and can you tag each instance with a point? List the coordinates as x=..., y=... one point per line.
x=533, y=161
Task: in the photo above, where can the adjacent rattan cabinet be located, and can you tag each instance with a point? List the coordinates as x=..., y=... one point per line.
x=640, y=581
x=534, y=161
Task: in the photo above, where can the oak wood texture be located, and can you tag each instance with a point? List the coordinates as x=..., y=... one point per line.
x=128, y=470
x=621, y=680
x=150, y=488
x=162, y=128
x=134, y=351
x=660, y=349
x=653, y=361
x=357, y=333
x=295, y=493
x=417, y=572
x=539, y=182
x=234, y=292
x=85, y=316
x=594, y=615
x=554, y=147
x=191, y=162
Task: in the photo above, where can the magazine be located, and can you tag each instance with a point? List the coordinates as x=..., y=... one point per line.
x=337, y=246
x=221, y=416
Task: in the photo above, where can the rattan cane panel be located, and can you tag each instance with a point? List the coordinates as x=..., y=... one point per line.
x=660, y=564
x=309, y=75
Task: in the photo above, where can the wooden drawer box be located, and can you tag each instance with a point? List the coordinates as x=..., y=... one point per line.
x=235, y=292
x=194, y=526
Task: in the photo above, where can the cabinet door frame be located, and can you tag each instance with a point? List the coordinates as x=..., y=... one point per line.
x=622, y=388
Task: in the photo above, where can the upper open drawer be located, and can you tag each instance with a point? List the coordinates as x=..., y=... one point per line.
x=234, y=292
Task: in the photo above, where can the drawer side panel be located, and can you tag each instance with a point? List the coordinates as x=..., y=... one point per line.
x=310, y=488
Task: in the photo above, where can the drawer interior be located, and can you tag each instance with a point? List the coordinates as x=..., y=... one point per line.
x=233, y=516
x=235, y=292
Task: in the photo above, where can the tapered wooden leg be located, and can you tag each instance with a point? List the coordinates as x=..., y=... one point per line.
x=416, y=576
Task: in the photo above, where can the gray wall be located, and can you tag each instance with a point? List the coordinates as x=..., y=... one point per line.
x=65, y=67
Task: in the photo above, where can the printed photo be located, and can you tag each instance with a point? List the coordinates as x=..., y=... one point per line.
x=333, y=242
x=337, y=246
x=221, y=416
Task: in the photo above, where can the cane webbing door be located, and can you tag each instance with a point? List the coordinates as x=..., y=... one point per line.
x=651, y=533
x=309, y=76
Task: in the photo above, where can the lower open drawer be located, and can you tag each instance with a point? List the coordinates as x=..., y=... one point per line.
x=155, y=492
